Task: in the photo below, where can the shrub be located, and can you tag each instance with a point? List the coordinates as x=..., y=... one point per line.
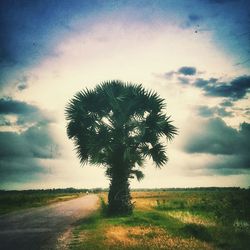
x=198, y=231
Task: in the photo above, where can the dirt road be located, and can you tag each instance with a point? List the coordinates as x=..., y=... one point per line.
x=40, y=228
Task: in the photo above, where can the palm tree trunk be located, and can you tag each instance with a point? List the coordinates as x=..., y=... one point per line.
x=119, y=198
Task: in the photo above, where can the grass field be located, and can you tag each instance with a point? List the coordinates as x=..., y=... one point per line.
x=205, y=219
x=17, y=200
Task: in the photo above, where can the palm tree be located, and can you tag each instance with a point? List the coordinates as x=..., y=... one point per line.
x=118, y=125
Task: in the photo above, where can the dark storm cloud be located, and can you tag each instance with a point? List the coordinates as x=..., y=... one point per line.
x=185, y=70
x=247, y=112
x=19, y=170
x=20, y=153
x=35, y=142
x=26, y=113
x=216, y=138
x=202, y=83
x=213, y=111
x=182, y=74
x=236, y=89
x=230, y=165
x=10, y=106
x=223, y=112
x=4, y=121
x=226, y=103
x=205, y=111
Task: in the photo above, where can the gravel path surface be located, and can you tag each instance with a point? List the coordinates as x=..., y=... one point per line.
x=40, y=228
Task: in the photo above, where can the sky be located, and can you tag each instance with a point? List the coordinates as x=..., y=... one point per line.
x=194, y=54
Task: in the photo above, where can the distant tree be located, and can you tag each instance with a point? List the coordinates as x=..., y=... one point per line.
x=118, y=125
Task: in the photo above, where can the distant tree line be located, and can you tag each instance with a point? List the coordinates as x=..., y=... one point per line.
x=98, y=190
x=54, y=190
x=188, y=189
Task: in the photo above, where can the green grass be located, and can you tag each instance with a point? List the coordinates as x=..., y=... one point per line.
x=16, y=200
x=224, y=206
x=177, y=220
x=197, y=231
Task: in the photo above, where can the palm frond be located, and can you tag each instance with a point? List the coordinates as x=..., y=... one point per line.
x=138, y=174
x=169, y=129
x=157, y=152
x=116, y=114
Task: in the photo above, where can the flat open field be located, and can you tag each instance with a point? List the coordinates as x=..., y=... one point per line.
x=188, y=219
x=17, y=200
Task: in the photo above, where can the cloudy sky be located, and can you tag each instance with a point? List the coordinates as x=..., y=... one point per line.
x=195, y=54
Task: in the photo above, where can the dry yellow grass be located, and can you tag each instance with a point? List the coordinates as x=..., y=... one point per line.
x=148, y=238
x=144, y=204
x=141, y=200
x=187, y=217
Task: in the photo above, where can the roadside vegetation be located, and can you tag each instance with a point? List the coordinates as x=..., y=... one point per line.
x=180, y=219
x=16, y=200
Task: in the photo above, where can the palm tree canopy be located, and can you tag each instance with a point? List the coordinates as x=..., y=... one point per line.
x=119, y=118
